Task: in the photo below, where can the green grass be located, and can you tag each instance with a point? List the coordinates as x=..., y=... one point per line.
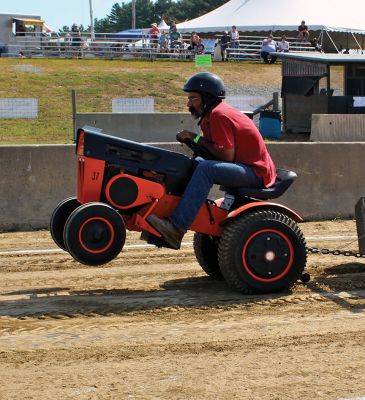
x=96, y=83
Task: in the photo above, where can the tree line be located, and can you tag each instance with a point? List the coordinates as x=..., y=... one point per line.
x=147, y=12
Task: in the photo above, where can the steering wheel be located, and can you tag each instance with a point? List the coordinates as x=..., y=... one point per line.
x=197, y=150
x=192, y=145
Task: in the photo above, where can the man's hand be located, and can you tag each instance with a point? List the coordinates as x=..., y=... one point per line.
x=184, y=135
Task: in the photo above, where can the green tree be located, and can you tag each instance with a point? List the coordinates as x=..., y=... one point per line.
x=120, y=16
x=196, y=8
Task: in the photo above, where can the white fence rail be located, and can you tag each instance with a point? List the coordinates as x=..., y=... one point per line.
x=127, y=105
x=18, y=108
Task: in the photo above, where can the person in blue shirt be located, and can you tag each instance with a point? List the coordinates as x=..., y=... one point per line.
x=225, y=42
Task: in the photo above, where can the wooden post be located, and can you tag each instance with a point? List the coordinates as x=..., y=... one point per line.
x=275, y=101
x=360, y=223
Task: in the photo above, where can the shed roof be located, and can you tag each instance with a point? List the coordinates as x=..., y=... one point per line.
x=333, y=59
x=29, y=21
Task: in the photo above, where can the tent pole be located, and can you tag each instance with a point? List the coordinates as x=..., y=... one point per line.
x=332, y=41
x=92, y=31
x=133, y=14
x=352, y=33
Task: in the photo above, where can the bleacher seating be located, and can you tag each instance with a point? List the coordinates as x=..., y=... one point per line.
x=105, y=47
x=250, y=47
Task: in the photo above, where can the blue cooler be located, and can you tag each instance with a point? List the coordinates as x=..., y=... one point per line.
x=270, y=124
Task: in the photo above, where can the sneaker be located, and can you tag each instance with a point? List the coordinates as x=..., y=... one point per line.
x=169, y=232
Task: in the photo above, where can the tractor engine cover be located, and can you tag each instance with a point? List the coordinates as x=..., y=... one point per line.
x=125, y=191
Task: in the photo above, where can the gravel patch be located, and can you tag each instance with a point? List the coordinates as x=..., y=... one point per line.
x=243, y=90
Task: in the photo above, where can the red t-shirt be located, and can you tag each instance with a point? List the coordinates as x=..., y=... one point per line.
x=228, y=128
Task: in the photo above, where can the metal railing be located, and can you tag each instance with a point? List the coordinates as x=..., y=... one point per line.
x=110, y=46
x=250, y=47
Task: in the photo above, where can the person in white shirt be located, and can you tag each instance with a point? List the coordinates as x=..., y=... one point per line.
x=268, y=46
x=235, y=36
x=283, y=45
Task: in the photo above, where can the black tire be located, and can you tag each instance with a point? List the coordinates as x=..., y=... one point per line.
x=262, y=252
x=94, y=234
x=59, y=218
x=206, y=252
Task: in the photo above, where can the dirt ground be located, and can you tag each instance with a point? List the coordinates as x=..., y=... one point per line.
x=151, y=325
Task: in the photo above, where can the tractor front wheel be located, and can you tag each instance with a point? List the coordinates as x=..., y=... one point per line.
x=262, y=252
x=206, y=252
x=94, y=234
x=59, y=218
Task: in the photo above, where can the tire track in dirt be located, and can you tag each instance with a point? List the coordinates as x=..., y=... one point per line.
x=63, y=261
x=153, y=318
x=91, y=341
x=64, y=305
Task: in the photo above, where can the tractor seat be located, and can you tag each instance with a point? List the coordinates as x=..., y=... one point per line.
x=283, y=180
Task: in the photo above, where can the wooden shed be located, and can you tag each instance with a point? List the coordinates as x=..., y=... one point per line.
x=306, y=87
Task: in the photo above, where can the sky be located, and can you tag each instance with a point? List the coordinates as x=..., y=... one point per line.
x=56, y=14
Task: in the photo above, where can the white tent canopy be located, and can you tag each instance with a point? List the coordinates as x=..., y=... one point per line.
x=163, y=26
x=281, y=15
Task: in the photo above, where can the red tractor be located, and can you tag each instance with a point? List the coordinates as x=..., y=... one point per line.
x=251, y=242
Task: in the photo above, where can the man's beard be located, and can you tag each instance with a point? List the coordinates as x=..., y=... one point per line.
x=194, y=113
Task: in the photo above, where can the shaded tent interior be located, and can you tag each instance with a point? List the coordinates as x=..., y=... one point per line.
x=301, y=93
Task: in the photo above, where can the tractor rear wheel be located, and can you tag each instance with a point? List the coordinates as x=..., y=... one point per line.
x=206, y=252
x=59, y=218
x=94, y=234
x=262, y=252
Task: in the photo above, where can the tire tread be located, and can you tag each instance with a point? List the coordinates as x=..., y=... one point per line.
x=237, y=228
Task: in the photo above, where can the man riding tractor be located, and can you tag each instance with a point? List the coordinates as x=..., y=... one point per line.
x=237, y=154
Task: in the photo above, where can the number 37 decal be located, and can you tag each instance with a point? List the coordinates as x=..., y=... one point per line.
x=95, y=176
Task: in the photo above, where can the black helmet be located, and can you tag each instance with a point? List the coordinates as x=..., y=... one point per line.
x=205, y=82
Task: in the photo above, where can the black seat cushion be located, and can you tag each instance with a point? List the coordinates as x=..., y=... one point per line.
x=283, y=180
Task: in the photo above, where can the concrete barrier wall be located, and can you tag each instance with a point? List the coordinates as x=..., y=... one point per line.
x=338, y=127
x=35, y=178
x=141, y=127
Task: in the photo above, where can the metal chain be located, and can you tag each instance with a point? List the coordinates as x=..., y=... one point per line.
x=337, y=252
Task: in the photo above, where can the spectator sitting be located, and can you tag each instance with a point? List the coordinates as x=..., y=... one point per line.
x=224, y=42
x=194, y=40
x=235, y=37
x=303, y=33
x=317, y=46
x=268, y=46
x=172, y=26
x=283, y=45
x=164, y=41
x=67, y=37
x=75, y=36
x=175, y=39
x=154, y=33
x=76, y=40
x=200, y=47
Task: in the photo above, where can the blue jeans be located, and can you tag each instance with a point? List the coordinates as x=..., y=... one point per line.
x=206, y=174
